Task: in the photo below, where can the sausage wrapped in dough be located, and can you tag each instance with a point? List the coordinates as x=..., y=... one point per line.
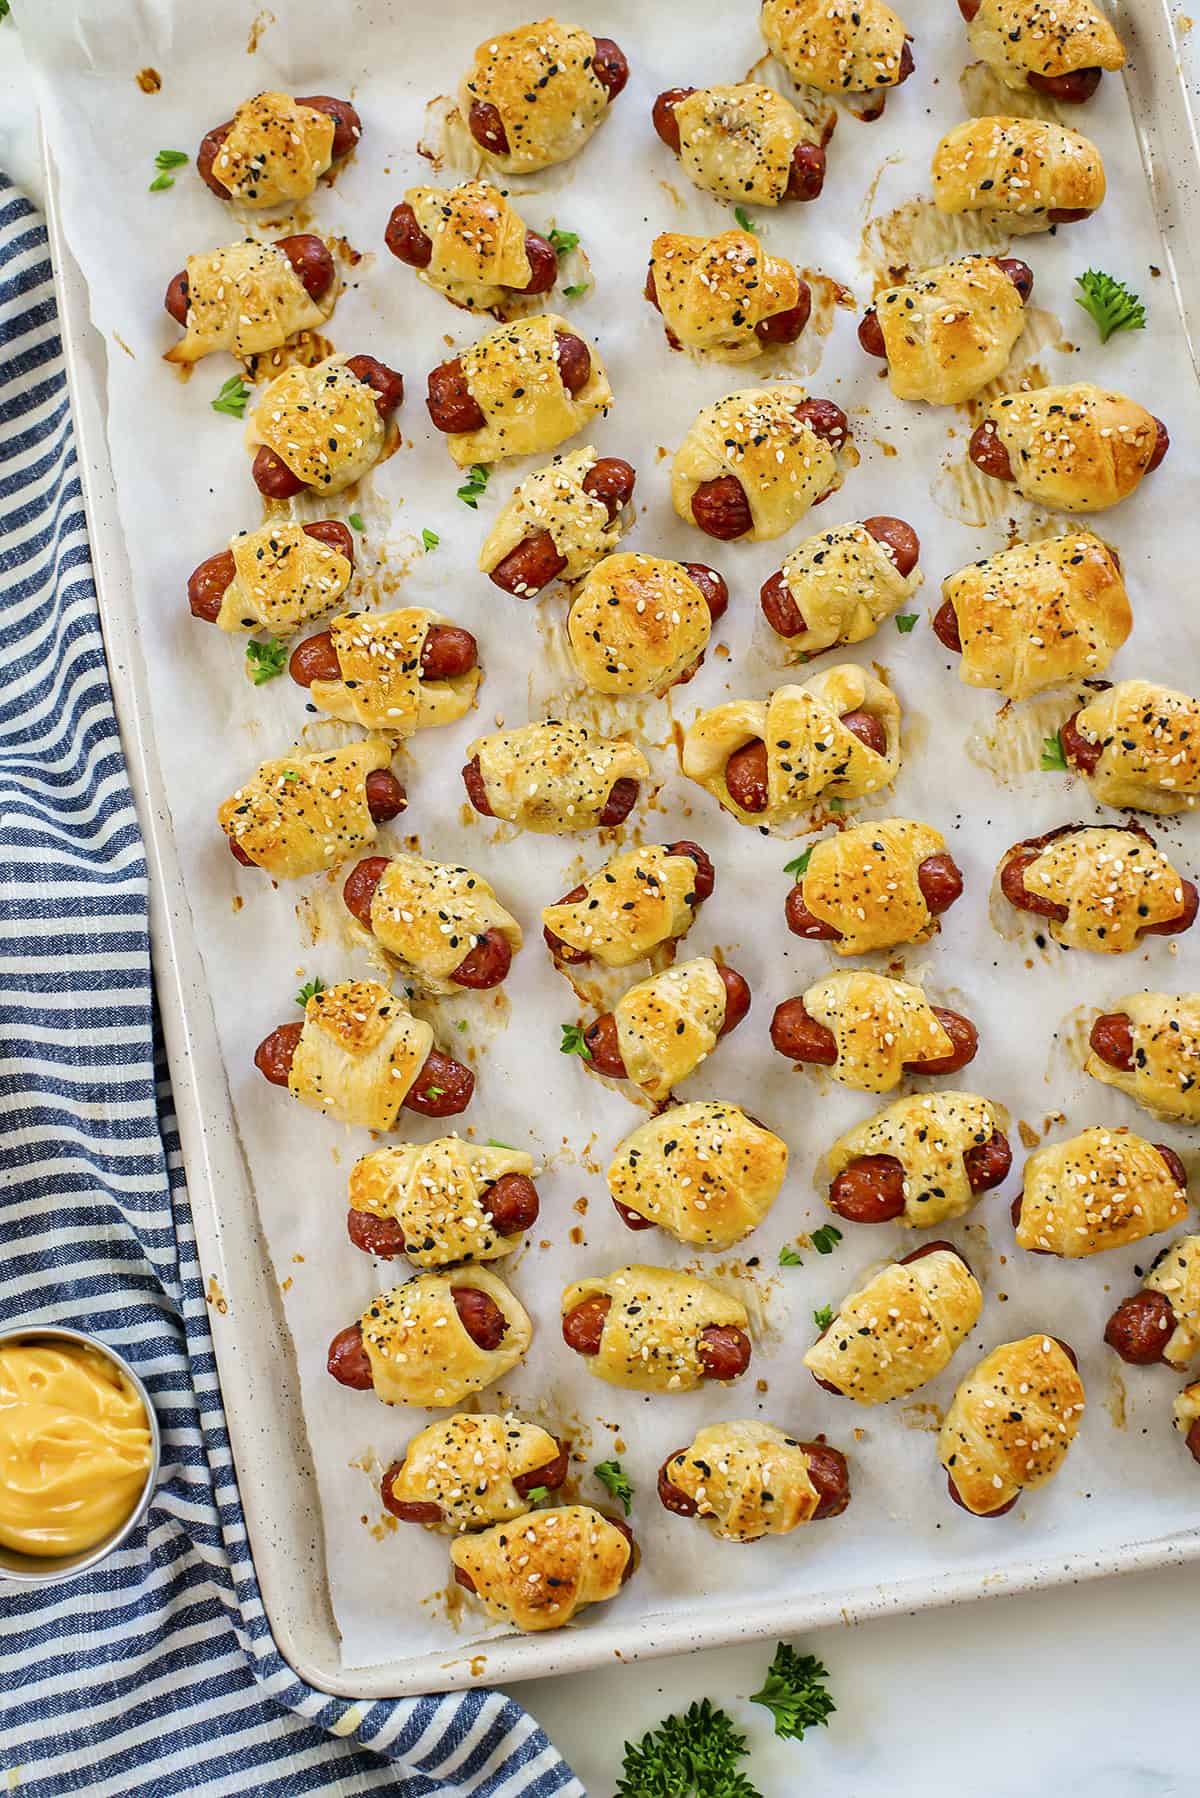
x=1011, y=1423
x=543, y=1569
x=898, y=1331
x=706, y=1173
x=1102, y=1189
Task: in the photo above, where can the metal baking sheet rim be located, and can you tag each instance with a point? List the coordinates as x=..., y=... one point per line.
x=266, y=1424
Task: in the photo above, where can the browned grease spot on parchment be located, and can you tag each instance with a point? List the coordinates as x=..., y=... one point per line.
x=262, y=23
x=1115, y=1399
x=149, y=80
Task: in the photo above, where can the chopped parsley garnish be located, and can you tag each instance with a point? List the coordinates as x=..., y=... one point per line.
x=355, y=522
x=800, y=865
x=905, y=621
x=693, y=1756
x=576, y=289
x=1052, y=753
x=823, y=1317
x=563, y=242
x=613, y=1475
x=430, y=538
x=794, y=1694
x=493, y=1142
x=790, y=1257
x=573, y=1042
x=164, y=162
x=1110, y=303
x=461, y=1024
x=266, y=660
x=826, y=1239
x=474, y=485
x=309, y=990
x=835, y=804
x=232, y=397
x=743, y=218
x=536, y=1494
x=434, y=1092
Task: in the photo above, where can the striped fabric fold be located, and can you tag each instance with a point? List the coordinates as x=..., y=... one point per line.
x=157, y=1673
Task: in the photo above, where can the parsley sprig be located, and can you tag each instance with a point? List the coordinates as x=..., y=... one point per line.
x=1053, y=755
x=799, y=865
x=563, y=242
x=1112, y=305
x=794, y=1694
x=164, y=162
x=266, y=660
x=613, y=1475
x=823, y=1316
x=232, y=398
x=693, y=1756
x=475, y=483
x=573, y=1042
x=309, y=990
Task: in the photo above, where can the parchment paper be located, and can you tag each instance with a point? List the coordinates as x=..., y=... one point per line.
x=968, y=768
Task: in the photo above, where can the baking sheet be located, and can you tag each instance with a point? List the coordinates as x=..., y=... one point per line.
x=184, y=484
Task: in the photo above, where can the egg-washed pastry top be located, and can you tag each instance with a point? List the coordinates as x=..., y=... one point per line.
x=929, y=1134
x=1165, y=1071
x=1176, y=1274
x=712, y=291
x=1099, y=1190
x=706, y=1172
x=430, y=915
x=651, y=1336
x=865, y=882
x=878, y=1024
x=1039, y=614
x=1019, y=38
x=322, y=422
x=1011, y=1423
x=553, y=499
x=478, y=257
x=737, y=141
x=636, y=624
x=419, y=1349
x=541, y=81
x=756, y=436
x=360, y=1051
x=282, y=579
x=381, y=685
x=950, y=330
x=246, y=297
x=1025, y=168
x=1077, y=448
x=305, y=812
x=541, y=1570
x=839, y=46
x=666, y=1025
x=1150, y=747
x=467, y=1464
x=746, y=1479
x=1114, y=884
x=844, y=583
x=435, y=1192
x=639, y=899
x=275, y=150
x=555, y=776
x=514, y=378
x=898, y=1330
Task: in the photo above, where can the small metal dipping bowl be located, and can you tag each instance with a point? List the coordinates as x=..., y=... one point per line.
x=48, y=1570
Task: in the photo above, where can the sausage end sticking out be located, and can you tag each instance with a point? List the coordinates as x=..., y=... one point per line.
x=442, y=1089
x=386, y=797
x=801, y=1038
x=988, y=453
x=1111, y=1038
x=806, y=177
x=945, y=627
x=899, y=540
x=535, y=561
x=1071, y=89
x=1000, y=1510
x=348, y=1360
x=1140, y=1328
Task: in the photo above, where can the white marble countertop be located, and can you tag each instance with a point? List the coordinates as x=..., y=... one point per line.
x=1083, y=1689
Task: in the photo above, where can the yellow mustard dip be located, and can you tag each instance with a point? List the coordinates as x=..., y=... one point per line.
x=74, y=1447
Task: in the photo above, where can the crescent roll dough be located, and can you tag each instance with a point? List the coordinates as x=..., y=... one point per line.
x=541, y=81
x=540, y=1571
x=651, y=1336
x=928, y=1134
x=1114, y=884
x=467, y=1464
x=737, y=141
x=305, y=812
x=712, y=291
x=636, y=624
x=707, y=1173
x=1011, y=1423
x=898, y=1331
x=1165, y=1072
x=809, y=749
x=1150, y=755
x=274, y=150
x=878, y=1024
x=428, y=916
x=1039, y=614
x=839, y=46
x=755, y=435
x=668, y=1024
x=950, y=330
x=1020, y=168
x=419, y=1351
x=322, y=422
x=359, y=1052
x=1102, y=1189
x=435, y=1191
x=639, y=899
x=1176, y=1274
x=1019, y=38
x=1078, y=448
x=382, y=686
x=746, y=1479
x=244, y=298
x=865, y=882
x=844, y=583
x=282, y=578
x=478, y=258
x=553, y=499
x=513, y=376
x=554, y=777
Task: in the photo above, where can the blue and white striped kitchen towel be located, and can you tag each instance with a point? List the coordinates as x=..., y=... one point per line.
x=157, y=1674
